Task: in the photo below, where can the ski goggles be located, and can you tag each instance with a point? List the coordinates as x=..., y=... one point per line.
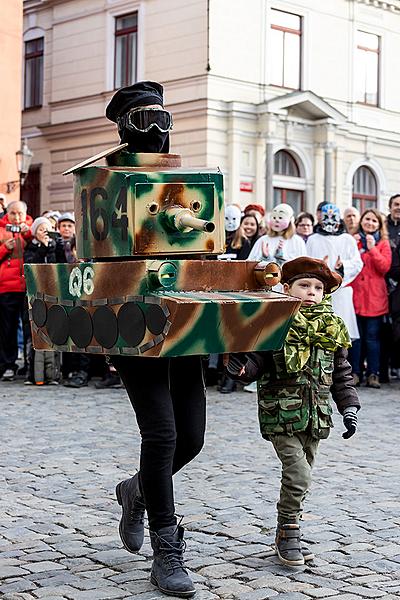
x=143, y=119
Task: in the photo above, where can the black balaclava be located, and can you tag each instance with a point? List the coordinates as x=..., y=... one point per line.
x=142, y=93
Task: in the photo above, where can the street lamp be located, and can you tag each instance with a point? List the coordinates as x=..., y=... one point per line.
x=24, y=159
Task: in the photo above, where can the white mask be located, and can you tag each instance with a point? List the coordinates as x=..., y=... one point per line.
x=232, y=217
x=280, y=217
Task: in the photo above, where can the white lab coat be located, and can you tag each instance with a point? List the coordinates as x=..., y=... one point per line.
x=341, y=246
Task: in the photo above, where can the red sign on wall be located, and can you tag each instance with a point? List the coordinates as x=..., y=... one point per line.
x=246, y=186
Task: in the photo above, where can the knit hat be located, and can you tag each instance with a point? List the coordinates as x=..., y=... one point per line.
x=40, y=221
x=305, y=267
x=66, y=217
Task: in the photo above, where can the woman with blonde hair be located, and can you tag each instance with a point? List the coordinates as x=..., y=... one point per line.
x=370, y=295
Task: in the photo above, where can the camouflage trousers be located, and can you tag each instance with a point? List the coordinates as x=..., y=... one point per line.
x=297, y=454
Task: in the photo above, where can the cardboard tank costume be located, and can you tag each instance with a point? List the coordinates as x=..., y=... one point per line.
x=146, y=229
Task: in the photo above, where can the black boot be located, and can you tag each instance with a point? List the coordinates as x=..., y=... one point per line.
x=288, y=545
x=131, y=525
x=168, y=572
x=227, y=385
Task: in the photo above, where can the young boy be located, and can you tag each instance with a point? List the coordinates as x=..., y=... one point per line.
x=293, y=392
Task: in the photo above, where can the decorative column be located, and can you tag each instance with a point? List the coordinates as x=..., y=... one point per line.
x=269, y=175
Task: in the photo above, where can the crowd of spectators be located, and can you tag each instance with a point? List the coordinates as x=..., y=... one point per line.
x=48, y=239
x=364, y=249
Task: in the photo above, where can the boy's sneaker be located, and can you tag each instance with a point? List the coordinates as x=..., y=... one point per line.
x=288, y=545
x=8, y=375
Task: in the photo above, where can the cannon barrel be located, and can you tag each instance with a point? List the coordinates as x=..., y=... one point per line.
x=183, y=220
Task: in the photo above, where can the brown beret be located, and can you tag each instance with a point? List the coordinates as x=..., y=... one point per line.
x=304, y=266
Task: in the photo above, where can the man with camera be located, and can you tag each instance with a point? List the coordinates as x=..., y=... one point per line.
x=14, y=235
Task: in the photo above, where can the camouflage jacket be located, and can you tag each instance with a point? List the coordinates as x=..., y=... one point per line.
x=290, y=403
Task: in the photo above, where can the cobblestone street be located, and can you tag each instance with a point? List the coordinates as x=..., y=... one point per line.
x=63, y=451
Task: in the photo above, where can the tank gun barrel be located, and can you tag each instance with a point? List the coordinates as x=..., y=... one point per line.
x=184, y=219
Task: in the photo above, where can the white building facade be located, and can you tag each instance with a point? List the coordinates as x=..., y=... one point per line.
x=296, y=101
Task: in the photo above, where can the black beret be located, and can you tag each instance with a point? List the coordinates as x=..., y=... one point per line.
x=141, y=93
x=305, y=267
x=321, y=204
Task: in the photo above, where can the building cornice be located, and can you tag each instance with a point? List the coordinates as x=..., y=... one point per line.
x=393, y=6
x=30, y=6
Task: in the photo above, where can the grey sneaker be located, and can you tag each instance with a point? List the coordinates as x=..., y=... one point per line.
x=288, y=545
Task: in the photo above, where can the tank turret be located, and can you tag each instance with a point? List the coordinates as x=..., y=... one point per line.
x=145, y=284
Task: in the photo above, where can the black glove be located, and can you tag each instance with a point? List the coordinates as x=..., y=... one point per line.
x=349, y=421
x=236, y=363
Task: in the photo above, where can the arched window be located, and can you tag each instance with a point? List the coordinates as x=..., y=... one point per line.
x=285, y=164
x=365, y=189
x=286, y=189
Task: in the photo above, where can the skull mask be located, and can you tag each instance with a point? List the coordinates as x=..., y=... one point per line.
x=330, y=218
x=280, y=217
x=232, y=217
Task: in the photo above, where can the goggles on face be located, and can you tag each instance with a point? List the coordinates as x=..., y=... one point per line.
x=143, y=119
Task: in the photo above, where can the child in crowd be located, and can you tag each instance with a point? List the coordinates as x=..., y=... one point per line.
x=44, y=367
x=293, y=392
x=281, y=242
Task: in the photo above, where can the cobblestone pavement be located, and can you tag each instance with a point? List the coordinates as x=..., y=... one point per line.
x=63, y=451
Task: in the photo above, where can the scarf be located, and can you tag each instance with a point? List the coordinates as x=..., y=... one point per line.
x=315, y=325
x=363, y=238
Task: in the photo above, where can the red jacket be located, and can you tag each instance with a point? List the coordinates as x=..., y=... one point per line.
x=370, y=295
x=11, y=261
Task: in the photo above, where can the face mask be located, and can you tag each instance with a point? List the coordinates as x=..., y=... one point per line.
x=330, y=218
x=232, y=217
x=153, y=140
x=281, y=217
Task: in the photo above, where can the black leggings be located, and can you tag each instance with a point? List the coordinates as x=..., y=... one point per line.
x=168, y=397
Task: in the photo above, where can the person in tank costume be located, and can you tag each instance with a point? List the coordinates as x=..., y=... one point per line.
x=167, y=394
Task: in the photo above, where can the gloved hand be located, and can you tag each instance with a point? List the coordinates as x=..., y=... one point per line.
x=349, y=421
x=236, y=364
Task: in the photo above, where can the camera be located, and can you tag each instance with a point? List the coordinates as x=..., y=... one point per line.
x=13, y=228
x=54, y=235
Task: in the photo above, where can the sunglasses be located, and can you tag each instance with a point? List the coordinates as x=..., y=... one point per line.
x=143, y=119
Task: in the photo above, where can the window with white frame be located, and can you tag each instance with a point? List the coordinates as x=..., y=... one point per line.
x=365, y=189
x=287, y=181
x=125, y=54
x=367, y=68
x=285, y=49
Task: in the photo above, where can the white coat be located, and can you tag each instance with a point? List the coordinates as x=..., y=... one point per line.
x=341, y=246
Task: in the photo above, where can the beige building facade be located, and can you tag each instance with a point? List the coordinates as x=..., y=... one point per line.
x=296, y=101
x=10, y=99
